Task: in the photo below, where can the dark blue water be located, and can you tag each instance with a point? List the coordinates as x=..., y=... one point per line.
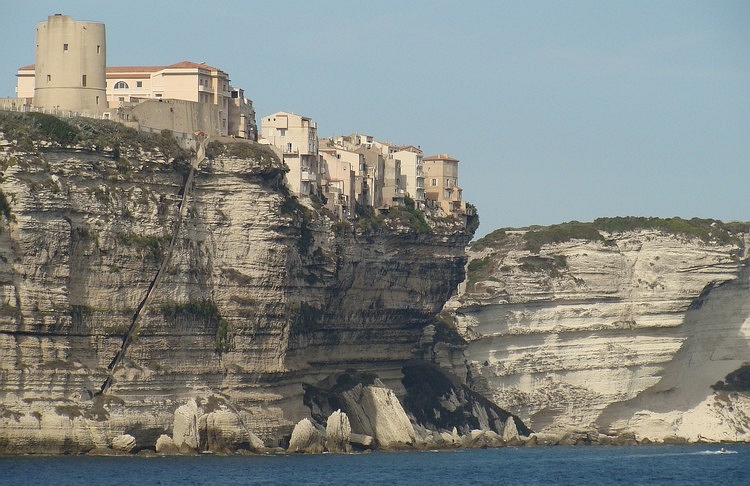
x=662, y=465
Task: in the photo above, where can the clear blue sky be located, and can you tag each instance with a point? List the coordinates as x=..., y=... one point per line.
x=558, y=110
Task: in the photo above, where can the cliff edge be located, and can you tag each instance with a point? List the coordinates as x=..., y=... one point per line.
x=624, y=327
x=150, y=295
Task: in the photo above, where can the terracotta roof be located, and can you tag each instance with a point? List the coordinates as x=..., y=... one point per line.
x=133, y=69
x=409, y=148
x=195, y=65
x=126, y=76
x=441, y=157
x=147, y=69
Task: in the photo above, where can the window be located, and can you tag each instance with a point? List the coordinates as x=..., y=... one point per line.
x=121, y=99
x=139, y=84
x=97, y=100
x=65, y=47
x=49, y=78
x=98, y=49
x=121, y=85
x=282, y=132
x=434, y=182
x=83, y=80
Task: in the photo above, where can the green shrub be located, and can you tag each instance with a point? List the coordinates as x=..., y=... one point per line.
x=55, y=128
x=153, y=246
x=477, y=269
x=490, y=240
x=5, y=206
x=703, y=229
x=223, y=338
x=537, y=264
x=410, y=216
x=560, y=233
x=241, y=149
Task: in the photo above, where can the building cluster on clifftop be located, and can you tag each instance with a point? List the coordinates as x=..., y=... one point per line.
x=71, y=77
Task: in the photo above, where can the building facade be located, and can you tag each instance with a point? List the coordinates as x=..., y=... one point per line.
x=441, y=176
x=412, y=172
x=338, y=181
x=71, y=60
x=71, y=74
x=296, y=138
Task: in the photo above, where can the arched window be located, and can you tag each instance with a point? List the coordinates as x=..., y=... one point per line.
x=121, y=85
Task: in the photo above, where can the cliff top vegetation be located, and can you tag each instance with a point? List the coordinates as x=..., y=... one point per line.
x=29, y=129
x=537, y=236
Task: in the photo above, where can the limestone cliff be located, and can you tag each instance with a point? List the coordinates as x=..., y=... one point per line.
x=137, y=278
x=623, y=326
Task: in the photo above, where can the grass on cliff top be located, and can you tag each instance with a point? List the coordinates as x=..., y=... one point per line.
x=410, y=215
x=27, y=128
x=703, y=229
x=243, y=149
x=538, y=236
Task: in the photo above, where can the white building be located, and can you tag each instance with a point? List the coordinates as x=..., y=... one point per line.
x=412, y=171
x=296, y=137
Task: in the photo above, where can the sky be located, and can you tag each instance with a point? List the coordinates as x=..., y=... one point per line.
x=557, y=110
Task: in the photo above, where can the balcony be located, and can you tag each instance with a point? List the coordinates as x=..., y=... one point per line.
x=205, y=89
x=307, y=176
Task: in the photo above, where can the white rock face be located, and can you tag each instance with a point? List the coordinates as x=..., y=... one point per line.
x=338, y=432
x=306, y=438
x=165, y=445
x=377, y=412
x=185, y=431
x=225, y=431
x=621, y=336
x=244, y=306
x=124, y=443
x=510, y=431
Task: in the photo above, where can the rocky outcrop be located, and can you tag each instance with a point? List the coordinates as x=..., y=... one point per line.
x=165, y=445
x=434, y=411
x=338, y=432
x=225, y=432
x=375, y=411
x=185, y=431
x=586, y=327
x=306, y=438
x=132, y=284
x=124, y=443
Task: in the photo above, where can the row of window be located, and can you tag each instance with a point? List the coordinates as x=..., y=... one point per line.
x=448, y=183
x=65, y=48
x=124, y=85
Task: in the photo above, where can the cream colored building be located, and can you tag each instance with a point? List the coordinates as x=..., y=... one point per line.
x=69, y=73
x=441, y=176
x=338, y=180
x=412, y=171
x=221, y=108
x=296, y=137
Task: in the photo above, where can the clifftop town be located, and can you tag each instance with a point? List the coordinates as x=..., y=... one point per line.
x=71, y=78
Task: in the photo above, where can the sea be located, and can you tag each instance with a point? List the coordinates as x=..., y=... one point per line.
x=564, y=465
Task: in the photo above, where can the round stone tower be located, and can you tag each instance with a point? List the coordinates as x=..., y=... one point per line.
x=71, y=65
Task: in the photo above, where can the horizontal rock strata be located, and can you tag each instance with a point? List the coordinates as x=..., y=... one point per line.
x=621, y=332
x=256, y=293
